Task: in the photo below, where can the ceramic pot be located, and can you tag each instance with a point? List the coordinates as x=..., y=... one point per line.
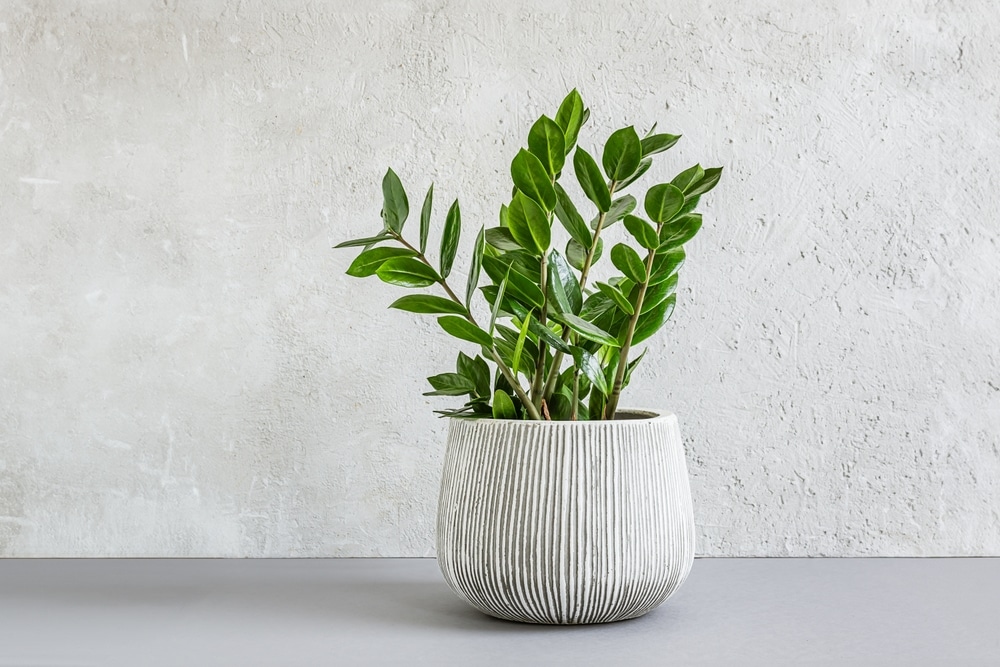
x=565, y=522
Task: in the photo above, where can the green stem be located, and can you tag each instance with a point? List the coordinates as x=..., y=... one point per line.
x=612, y=405
x=536, y=384
x=515, y=385
x=576, y=394
x=550, y=384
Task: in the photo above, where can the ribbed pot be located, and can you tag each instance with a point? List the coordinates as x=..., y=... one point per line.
x=565, y=522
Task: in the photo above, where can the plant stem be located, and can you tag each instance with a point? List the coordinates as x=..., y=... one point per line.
x=550, y=384
x=576, y=394
x=537, y=394
x=508, y=375
x=616, y=390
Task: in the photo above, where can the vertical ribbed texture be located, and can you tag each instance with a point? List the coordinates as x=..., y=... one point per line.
x=565, y=522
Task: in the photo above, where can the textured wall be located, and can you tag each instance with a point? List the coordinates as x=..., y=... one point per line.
x=185, y=370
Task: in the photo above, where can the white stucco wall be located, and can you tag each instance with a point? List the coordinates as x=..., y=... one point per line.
x=185, y=370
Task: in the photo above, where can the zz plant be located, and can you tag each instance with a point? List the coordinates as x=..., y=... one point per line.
x=543, y=308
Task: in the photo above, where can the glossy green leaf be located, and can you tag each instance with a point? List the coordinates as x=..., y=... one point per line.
x=622, y=154
x=650, y=322
x=428, y=303
x=450, y=384
x=665, y=264
x=547, y=142
x=619, y=209
x=565, y=287
x=395, y=207
x=663, y=202
x=628, y=262
x=615, y=295
x=587, y=329
x=501, y=239
x=591, y=179
x=425, y=218
x=631, y=367
x=503, y=406
x=407, y=272
x=354, y=243
x=596, y=405
x=472, y=281
x=686, y=180
x=680, y=230
x=570, y=118
x=570, y=218
x=459, y=327
x=519, y=285
x=367, y=263
x=529, y=225
x=560, y=407
x=595, y=306
x=657, y=143
x=449, y=239
x=497, y=302
x=504, y=213
x=590, y=367
x=522, y=336
x=476, y=370
x=658, y=292
x=576, y=254
x=541, y=331
x=642, y=232
x=531, y=178
x=707, y=182
x=643, y=167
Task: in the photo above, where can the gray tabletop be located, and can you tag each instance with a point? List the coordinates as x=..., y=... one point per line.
x=400, y=612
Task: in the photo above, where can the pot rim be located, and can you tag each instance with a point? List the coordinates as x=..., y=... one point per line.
x=643, y=416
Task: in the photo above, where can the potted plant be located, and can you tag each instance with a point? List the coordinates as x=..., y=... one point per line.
x=557, y=505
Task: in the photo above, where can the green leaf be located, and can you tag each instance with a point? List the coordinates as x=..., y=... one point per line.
x=565, y=286
x=367, y=263
x=591, y=368
x=622, y=154
x=427, y=303
x=587, y=329
x=596, y=406
x=560, y=407
x=657, y=293
x=540, y=330
x=475, y=370
x=595, y=306
x=477, y=264
x=354, y=243
x=619, y=209
x=686, y=180
x=631, y=367
x=709, y=181
x=576, y=254
x=450, y=384
x=501, y=239
x=425, y=218
x=459, y=327
x=615, y=295
x=628, y=262
x=650, y=323
x=591, y=180
x=519, y=346
x=518, y=285
x=503, y=406
x=663, y=202
x=531, y=178
x=570, y=118
x=644, y=166
x=547, y=142
x=657, y=143
x=449, y=240
x=642, y=232
x=501, y=291
x=407, y=272
x=395, y=207
x=571, y=218
x=529, y=225
x=680, y=231
x=504, y=222
x=666, y=264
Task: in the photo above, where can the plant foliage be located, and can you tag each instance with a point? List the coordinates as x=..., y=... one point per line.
x=543, y=308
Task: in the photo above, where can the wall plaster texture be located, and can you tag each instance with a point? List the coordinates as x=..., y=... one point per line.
x=186, y=371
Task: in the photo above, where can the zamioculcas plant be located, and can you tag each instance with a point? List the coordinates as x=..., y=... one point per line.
x=561, y=343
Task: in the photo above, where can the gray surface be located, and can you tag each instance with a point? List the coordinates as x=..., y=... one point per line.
x=389, y=612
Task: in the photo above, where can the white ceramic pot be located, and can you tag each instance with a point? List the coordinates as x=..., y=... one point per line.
x=565, y=522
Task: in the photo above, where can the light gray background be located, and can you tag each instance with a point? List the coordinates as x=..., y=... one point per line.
x=185, y=370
